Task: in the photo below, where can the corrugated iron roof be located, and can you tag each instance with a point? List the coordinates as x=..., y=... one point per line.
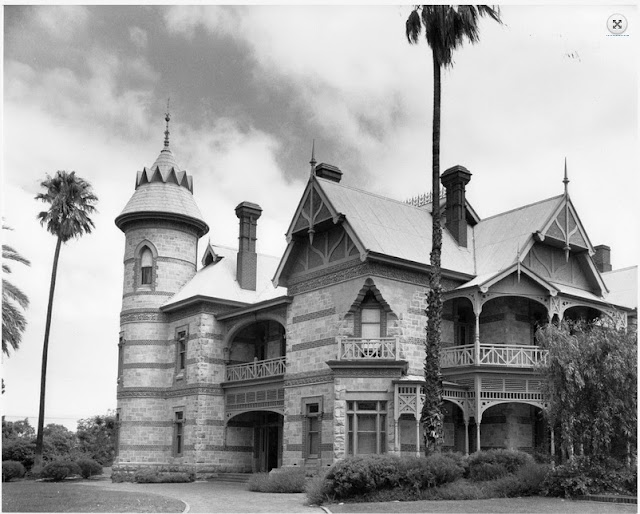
x=497, y=239
x=394, y=228
x=218, y=280
x=623, y=286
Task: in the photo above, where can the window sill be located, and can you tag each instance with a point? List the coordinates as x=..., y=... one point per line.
x=180, y=376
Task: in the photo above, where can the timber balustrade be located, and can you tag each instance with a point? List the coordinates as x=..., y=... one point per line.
x=256, y=369
x=355, y=348
x=508, y=355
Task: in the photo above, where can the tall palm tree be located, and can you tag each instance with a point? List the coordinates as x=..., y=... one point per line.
x=71, y=201
x=13, y=302
x=446, y=27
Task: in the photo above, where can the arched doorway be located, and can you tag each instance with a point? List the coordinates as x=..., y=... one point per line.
x=513, y=426
x=260, y=430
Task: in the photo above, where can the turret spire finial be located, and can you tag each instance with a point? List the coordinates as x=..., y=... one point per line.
x=313, y=157
x=167, y=117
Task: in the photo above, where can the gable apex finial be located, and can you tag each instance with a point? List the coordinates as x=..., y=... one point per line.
x=565, y=181
x=313, y=157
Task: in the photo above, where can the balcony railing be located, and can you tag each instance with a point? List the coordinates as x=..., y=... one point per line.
x=256, y=369
x=508, y=355
x=356, y=348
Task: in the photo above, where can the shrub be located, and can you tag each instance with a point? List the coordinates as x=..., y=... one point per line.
x=487, y=471
x=527, y=481
x=89, y=468
x=491, y=464
x=447, y=467
x=12, y=469
x=59, y=470
x=318, y=490
x=459, y=490
x=151, y=476
x=19, y=450
x=590, y=475
x=362, y=476
x=351, y=477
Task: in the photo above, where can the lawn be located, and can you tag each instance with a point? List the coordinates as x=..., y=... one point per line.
x=68, y=496
x=507, y=505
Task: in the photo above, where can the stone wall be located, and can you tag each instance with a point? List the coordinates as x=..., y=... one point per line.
x=506, y=321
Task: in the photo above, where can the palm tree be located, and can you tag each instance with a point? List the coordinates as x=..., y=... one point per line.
x=446, y=27
x=71, y=201
x=13, y=301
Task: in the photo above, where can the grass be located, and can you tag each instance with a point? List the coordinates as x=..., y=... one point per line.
x=32, y=496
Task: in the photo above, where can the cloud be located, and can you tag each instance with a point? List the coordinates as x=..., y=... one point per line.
x=138, y=37
x=94, y=98
x=231, y=163
x=62, y=22
x=328, y=69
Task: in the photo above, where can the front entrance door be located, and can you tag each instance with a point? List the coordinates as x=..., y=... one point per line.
x=268, y=437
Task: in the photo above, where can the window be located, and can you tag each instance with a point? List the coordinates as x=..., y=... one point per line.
x=117, y=434
x=181, y=350
x=366, y=427
x=120, y=357
x=178, y=433
x=146, y=267
x=311, y=410
x=371, y=322
x=313, y=431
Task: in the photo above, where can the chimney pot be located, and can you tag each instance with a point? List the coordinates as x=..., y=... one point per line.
x=247, y=262
x=328, y=171
x=454, y=181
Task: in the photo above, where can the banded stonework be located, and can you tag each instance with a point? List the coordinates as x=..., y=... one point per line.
x=322, y=355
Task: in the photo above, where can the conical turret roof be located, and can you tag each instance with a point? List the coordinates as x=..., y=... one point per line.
x=164, y=191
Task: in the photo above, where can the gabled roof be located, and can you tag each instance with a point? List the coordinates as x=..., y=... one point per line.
x=623, y=286
x=217, y=281
x=387, y=229
x=382, y=226
x=500, y=239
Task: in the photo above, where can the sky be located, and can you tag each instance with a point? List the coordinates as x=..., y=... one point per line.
x=85, y=89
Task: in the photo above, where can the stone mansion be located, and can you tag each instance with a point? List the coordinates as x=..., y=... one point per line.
x=246, y=362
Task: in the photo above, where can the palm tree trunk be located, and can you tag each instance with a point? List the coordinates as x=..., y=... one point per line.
x=45, y=350
x=432, y=418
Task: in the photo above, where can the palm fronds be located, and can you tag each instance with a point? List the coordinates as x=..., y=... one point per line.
x=13, y=300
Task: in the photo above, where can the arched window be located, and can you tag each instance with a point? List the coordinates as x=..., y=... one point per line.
x=146, y=267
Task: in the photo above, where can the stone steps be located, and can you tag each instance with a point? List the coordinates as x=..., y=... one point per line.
x=242, y=478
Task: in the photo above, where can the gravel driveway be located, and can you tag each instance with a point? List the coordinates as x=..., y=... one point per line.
x=219, y=497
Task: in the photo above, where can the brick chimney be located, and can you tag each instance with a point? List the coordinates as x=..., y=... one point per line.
x=247, y=264
x=454, y=181
x=602, y=258
x=328, y=172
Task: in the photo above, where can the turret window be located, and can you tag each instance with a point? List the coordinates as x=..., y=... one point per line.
x=146, y=267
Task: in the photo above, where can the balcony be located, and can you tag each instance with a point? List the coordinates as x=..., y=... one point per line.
x=256, y=369
x=358, y=348
x=506, y=355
